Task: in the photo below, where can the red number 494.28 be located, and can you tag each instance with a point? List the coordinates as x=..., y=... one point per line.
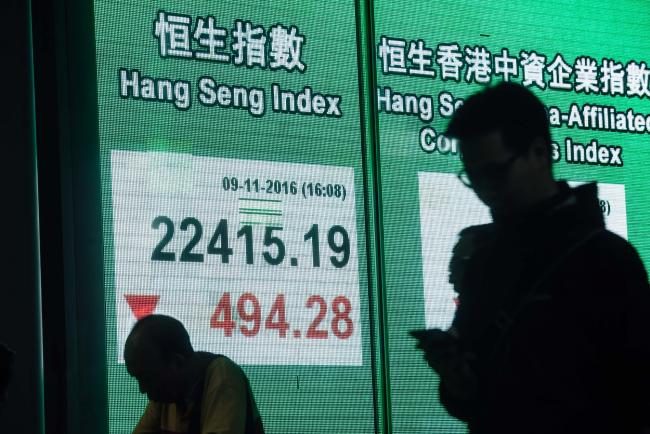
x=249, y=310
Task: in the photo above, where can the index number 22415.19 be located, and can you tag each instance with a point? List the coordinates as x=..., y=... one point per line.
x=219, y=244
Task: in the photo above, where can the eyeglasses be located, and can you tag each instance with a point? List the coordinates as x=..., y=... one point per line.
x=493, y=174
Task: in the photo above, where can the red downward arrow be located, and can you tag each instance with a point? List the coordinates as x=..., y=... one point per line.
x=142, y=305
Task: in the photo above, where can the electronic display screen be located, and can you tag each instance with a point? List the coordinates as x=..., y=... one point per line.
x=233, y=198
x=586, y=61
x=238, y=185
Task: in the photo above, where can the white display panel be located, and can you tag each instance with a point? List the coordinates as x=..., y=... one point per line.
x=446, y=207
x=283, y=289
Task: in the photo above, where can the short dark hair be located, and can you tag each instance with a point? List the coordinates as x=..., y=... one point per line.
x=166, y=334
x=507, y=107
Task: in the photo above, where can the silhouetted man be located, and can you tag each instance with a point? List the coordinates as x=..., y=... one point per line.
x=552, y=331
x=189, y=392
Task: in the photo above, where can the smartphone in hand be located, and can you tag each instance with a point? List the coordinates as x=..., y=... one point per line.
x=433, y=335
x=434, y=340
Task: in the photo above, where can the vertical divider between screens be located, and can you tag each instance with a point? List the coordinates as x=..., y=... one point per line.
x=366, y=135
x=38, y=311
x=57, y=348
x=89, y=309
x=373, y=214
x=70, y=217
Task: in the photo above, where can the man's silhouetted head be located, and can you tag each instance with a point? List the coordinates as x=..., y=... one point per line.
x=505, y=143
x=157, y=353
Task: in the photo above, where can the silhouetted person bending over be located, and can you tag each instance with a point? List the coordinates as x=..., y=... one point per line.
x=189, y=392
x=552, y=331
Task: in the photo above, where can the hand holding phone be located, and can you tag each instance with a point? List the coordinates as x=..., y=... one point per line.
x=433, y=338
x=442, y=353
x=438, y=345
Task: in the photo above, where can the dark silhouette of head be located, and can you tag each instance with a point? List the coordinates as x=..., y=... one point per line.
x=507, y=107
x=157, y=353
x=505, y=143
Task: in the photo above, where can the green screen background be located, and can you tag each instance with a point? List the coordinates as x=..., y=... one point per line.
x=393, y=390
x=597, y=29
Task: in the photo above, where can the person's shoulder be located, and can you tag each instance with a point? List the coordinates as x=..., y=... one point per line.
x=612, y=244
x=221, y=360
x=223, y=366
x=609, y=250
x=224, y=374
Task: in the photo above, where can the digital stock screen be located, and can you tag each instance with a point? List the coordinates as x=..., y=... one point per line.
x=587, y=62
x=233, y=198
x=243, y=194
